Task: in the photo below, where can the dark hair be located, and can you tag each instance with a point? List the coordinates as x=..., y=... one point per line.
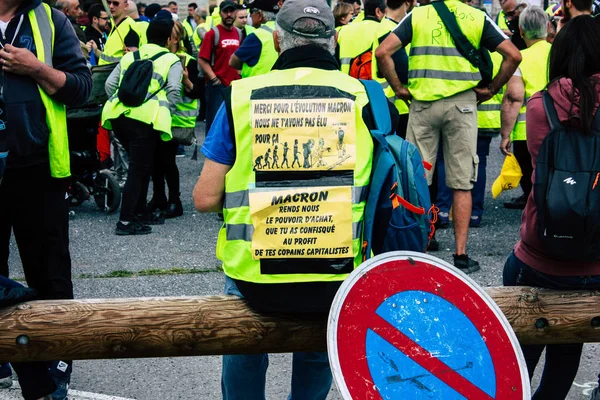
x=582, y=5
x=575, y=55
x=396, y=4
x=140, y=6
x=95, y=11
x=159, y=31
x=85, y=7
x=172, y=2
x=372, y=5
x=353, y=1
x=211, y=8
x=193, y=5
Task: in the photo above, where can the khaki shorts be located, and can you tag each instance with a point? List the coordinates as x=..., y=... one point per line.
x=454, y=120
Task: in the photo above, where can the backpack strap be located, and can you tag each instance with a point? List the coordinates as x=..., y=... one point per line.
x=136, y=55
x=550, y=110
x=379, y=107
x=216, y=40
x=596, y=123
x=383, y=128
x=156, y=56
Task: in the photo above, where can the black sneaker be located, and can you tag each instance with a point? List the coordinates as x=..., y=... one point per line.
x=151, y=218
x=465, y=264
x=516, y=203
x=132, y=228
x=173, y=210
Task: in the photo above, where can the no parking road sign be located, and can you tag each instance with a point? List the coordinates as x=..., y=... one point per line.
x=407, y=325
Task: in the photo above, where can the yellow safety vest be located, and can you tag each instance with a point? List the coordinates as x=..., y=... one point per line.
x=534, y=71
x=314, y=126
x=199, y=33
x=436, y=69
x=386, y=26
x=502, y=21
x=359, y=17
x=488, y=113
x=187, y=109
x=155, y=110
x=42, y=27
x=354, y=40
x=189, y=29
x=114, y=46
x=216, y=16
x=268, y=54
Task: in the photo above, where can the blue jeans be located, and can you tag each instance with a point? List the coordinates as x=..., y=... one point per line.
x=562, y=360
x=214, y=99
x=444, y=196
x=244, y=375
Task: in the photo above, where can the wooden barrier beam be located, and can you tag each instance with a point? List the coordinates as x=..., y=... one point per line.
x=194, y=326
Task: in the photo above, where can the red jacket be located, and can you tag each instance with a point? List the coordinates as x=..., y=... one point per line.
x=529, y=249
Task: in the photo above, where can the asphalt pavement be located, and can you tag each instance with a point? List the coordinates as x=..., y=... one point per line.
x=109, y=266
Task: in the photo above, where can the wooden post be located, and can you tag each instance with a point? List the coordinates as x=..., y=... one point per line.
x=193, y=326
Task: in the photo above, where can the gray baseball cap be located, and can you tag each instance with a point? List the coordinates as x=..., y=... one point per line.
x=294, y=10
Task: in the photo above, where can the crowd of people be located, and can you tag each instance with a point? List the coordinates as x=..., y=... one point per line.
x=255, y=73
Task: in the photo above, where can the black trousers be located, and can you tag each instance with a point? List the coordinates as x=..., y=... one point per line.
x=165, y=168
x=34, y=206
x=524, y=159
x=140, y=140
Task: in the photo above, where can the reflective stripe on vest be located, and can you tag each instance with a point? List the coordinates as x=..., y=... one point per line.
x=534, y=71
x=436, y=68
x=268, y=54
x=244, y=187
x=385, y=27
x=42, y=28
x=488, y=113
x=186, y=110
x=355, y=39
x=155, y=110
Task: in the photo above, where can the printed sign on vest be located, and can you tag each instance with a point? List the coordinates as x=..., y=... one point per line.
x=321, y=132
x=314, y=222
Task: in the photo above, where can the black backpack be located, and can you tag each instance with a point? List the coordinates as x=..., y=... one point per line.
x=567, y=189
x=133, y=90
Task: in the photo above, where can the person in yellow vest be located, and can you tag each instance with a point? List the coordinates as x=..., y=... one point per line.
x=356, y=41
x=270, y=274
x=125, y=36
x=511, y=10
x=531, y=77
x=202, y=26
x=189, y=24
x=395, y=12
x=140, y=128
x=43, y=72
x=257, y=53
x=343, y=13
x=488, y=127
x=241, y=21
x=183, y=123
x=501, y=22
x=440, y=78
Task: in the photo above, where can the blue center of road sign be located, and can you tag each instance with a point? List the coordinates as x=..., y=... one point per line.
x=440, y=329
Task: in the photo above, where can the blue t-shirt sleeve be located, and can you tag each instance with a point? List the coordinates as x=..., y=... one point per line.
x=249, y=51
x=219, y=146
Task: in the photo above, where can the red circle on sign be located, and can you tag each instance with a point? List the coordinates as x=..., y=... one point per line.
x=354, y=309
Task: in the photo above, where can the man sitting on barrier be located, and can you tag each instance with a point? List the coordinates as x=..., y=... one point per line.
x=291, y=233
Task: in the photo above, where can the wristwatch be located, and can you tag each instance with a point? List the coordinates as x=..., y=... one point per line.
x=491, y=89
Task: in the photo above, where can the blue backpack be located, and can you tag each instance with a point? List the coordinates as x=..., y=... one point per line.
x=397, y=214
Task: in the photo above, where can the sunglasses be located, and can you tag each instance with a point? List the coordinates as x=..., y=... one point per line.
x=104, y=18
x=510, y=14
x=114, y=3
